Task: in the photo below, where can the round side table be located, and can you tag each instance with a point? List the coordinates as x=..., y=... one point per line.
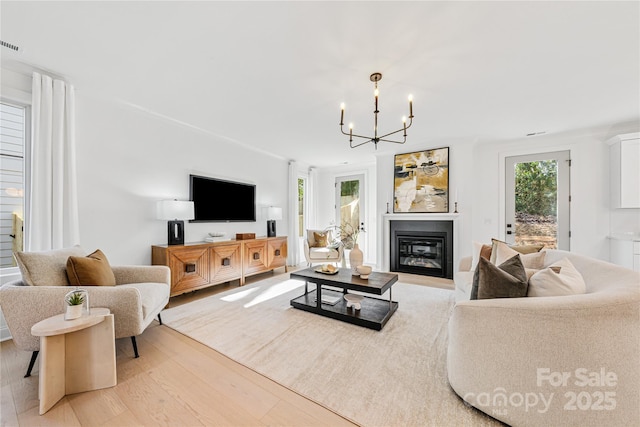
x=75, y=355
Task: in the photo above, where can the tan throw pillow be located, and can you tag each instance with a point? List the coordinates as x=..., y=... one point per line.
x=480, y=250
x=320, y=239
x=549, y=283
x=522, y=249
x=47, y=268
x=94, y=269
x=502, y=252
x=507, y=280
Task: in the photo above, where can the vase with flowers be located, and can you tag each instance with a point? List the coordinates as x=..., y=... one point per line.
x=347, y=234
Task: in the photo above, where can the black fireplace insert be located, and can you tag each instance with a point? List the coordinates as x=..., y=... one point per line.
x=422, y=247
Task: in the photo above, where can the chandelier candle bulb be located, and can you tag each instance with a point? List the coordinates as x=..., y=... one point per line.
x=341, y=114
x=411, y=106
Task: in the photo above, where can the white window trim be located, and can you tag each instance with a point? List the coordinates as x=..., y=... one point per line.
x=10, y=273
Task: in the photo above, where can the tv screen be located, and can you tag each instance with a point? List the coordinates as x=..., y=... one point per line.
x=217, y=200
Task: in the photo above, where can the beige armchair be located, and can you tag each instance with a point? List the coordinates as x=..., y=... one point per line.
x=315, y=254
x=140, y=294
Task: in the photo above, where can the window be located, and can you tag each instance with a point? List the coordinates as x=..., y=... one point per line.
x=350, y=204
x=537, y=201
x=13, y=135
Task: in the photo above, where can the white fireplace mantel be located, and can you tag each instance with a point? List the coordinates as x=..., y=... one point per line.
x=386, y=233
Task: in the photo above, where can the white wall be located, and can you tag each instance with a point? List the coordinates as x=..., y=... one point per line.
x=128, y=159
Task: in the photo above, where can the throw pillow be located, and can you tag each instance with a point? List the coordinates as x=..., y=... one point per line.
x=548, y=282
x=479, y=250
x=320, y=239
x=523, y=249
x=508, y=280
x=46, y=268
x=94, y=269
x=501, y=252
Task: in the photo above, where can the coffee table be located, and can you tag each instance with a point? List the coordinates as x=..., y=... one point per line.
x=374, y=312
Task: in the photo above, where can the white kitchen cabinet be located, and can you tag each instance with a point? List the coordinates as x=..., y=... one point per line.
x=624, y=156
x=625, y=250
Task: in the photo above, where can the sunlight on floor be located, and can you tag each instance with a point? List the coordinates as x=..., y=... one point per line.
x=240, y=294
x=274, y=291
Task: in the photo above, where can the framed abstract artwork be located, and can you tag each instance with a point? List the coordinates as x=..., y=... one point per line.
x=421, y=181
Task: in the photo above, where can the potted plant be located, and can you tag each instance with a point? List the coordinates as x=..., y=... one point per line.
x=75, y=301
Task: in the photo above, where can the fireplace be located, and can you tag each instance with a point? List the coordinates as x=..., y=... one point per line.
x=422, y=247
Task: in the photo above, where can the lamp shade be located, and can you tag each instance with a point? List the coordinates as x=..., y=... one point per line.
x=175, y=209
x=274, y=213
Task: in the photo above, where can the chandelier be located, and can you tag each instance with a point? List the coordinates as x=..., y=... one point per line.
x=375, y=78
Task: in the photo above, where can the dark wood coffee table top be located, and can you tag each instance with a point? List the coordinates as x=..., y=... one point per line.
x=377, y=283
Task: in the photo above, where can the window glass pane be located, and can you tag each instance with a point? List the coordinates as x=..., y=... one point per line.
x=12, y=136
x=349, y=207
x=536, y=198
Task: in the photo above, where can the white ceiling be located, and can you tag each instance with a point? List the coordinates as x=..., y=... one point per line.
x=272, y=74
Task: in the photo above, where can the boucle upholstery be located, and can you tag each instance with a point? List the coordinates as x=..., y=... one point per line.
x=141, y=292
x=511, y=346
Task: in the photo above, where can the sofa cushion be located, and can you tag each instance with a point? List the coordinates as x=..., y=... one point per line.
x=500, y=252
x=323, y=253
x=551, y=282
x=94, y=269
x=150, y=298
x=47, y=268
x=508, y=280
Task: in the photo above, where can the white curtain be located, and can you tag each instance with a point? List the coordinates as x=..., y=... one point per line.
x=312, y=195
x=293, y=253
x=52, y=218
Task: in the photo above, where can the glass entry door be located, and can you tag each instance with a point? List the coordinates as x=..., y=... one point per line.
x=350, y=205
x=537, y=199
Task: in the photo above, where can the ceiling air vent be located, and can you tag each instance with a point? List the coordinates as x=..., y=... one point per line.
x=10, y=46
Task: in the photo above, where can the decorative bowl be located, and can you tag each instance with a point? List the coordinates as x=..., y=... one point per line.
x=364, y=270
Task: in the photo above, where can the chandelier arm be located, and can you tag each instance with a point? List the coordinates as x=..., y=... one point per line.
x=399, y=130
x=362, y=143
x=395, y=142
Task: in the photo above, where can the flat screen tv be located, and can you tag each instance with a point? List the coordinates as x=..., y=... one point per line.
x=217, y=200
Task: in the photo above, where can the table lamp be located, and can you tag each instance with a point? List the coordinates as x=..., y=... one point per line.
x=273, y=214
x=175, y=212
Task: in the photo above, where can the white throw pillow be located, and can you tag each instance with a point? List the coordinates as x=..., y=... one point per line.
x=503, y=252
x=548, y=283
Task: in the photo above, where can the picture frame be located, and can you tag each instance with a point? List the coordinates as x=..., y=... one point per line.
x=421, y=181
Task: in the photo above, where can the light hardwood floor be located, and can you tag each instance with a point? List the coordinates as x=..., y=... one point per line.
x=176, y=381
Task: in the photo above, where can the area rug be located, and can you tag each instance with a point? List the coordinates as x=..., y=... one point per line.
x=393, y=377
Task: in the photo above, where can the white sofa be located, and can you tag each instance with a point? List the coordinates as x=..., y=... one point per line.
x=541, y=361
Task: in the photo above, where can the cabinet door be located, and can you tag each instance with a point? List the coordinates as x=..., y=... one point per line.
x=189, y=269
x=226, y=262
x=630, y=173
x=277, y=252
x=255, y=256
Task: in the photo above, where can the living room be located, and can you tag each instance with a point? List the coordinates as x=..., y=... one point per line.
x=165, y=90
